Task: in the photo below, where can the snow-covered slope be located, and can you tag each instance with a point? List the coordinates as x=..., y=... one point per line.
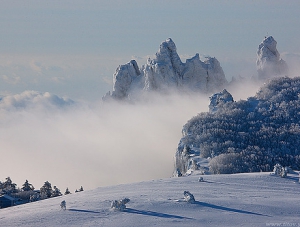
x=269, y=64
x=256, y=199
x=167, y=71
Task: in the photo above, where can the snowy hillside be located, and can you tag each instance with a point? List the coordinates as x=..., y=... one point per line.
x=256, y=199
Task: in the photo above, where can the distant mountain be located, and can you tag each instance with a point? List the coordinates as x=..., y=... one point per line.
x=269, y=64
x=167, y=71
x=245, y=136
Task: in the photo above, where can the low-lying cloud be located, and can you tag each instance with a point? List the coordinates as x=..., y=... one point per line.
x=48, y=138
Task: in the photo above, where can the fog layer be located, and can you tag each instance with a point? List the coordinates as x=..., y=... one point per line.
x=44, y=138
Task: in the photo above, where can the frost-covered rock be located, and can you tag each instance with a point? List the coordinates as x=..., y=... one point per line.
x=219, y=99
x=123, y=78
x=167, y=71
x=269, y=63
x=188, y=197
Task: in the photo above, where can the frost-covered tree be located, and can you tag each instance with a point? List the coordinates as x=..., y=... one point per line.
x=67, y=192
x=248, y=135
x=46, y=190
x=27, y=186
x=280, y=170
x=55, y=192
x=8, y=187
x=63, y=205
x=284, y=172
x=277, y=169
x=119, y=205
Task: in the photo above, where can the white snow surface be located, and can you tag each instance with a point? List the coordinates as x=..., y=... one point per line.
x=252, y=199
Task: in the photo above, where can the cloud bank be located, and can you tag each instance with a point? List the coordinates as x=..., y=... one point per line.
x=44, y=137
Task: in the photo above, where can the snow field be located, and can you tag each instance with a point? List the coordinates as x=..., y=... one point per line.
x=252, y=199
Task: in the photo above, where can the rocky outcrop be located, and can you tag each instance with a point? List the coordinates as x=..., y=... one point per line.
x=269, y=64
x=167, y=71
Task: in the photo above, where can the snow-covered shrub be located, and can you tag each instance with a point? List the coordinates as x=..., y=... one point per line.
x=34, y=197
x=280, y=170
x=25, y=196
x=27, y=186
x=119, y=205
x=226, y=163
x=8, y=187
x=63, y=205
x=284, y=172
x=189, y=197
x=277, y=169
x=56, y=192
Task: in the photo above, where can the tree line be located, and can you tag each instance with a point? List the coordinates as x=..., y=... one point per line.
x=28, y=193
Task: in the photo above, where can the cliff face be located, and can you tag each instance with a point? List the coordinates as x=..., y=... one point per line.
x=269, y=64
x=167, y=71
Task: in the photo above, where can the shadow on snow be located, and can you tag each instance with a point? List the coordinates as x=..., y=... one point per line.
x=86, y=211
x=152, y=213
x=226, y=208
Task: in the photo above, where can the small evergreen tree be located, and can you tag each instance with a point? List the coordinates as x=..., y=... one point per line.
x=81, y=189
x=56, y=192
x=8, y=186
x=67, y=192
x=46, y=190
x=27, y=186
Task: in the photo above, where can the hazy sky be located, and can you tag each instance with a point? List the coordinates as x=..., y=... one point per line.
x=72, y=48
x=54, y=51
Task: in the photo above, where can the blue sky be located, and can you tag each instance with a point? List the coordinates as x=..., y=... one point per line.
x=72, y=48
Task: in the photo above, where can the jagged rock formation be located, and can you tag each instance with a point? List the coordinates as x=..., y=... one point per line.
x=167, y=71
x=269, y=64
